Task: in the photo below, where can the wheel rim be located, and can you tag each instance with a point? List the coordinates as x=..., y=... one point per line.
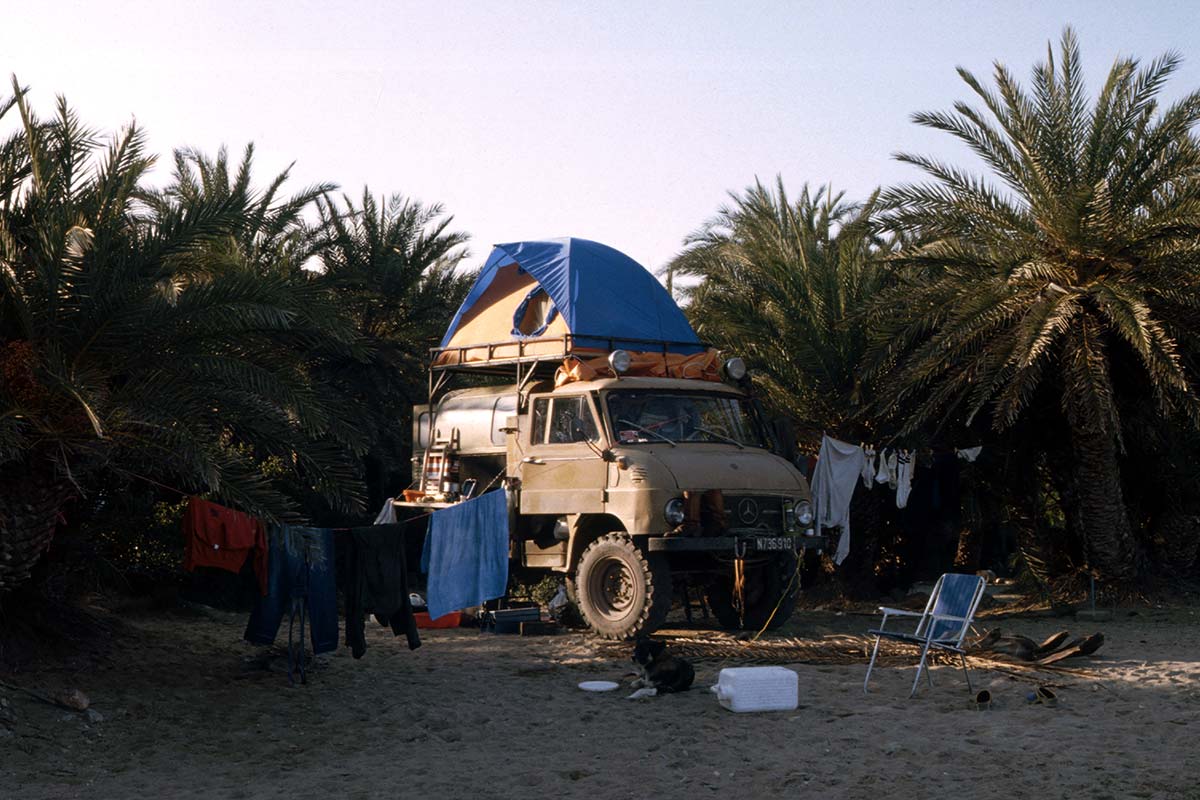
x=613, y=593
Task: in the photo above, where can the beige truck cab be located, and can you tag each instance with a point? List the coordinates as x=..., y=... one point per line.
x=633, y=486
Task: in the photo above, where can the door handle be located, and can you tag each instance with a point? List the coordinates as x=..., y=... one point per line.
x=532, y=460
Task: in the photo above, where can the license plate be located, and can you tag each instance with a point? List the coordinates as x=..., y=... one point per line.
x=773, y=543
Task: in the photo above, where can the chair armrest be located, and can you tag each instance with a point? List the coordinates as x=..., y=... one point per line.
x=949, y=617
x=898, y=612
x=894, y=612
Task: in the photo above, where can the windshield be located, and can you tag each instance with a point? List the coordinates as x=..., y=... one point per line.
x=679, y=417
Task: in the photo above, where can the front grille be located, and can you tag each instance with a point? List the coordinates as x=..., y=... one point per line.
x=754, y=512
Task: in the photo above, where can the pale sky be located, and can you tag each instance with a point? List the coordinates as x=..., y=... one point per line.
x=622, y=122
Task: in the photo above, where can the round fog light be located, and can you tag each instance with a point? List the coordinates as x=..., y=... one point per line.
x=673, y=512
x=619, y=360
x=735, y=368
x=804, y=513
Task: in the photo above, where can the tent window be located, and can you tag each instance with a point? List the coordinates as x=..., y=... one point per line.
x=534, y=314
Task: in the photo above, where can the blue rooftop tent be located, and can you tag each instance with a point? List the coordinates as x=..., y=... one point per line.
x=562, y=297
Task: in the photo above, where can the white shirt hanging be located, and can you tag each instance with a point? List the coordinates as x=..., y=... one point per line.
x=838, y=469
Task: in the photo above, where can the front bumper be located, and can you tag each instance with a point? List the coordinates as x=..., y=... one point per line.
x=746, y=545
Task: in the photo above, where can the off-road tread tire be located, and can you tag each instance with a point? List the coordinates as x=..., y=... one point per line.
x=656, y=576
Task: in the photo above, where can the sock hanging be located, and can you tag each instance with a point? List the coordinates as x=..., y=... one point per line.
x=868, y=470
x=904, y=471
x=881, y=475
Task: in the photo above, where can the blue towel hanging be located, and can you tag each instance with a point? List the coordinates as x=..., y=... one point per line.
x=466, y=554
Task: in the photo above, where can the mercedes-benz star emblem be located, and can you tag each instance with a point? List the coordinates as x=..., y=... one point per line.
x=748, y=511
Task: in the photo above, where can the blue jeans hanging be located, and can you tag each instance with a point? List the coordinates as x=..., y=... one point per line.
x=300, y=575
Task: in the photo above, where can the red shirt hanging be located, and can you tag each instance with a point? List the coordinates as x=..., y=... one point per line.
x=221, y=537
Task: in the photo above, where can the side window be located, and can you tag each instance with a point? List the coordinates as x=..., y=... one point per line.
x=538, y=434
x=572, y=421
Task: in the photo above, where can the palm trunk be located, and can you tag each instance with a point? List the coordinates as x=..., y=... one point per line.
x=969, y=552
x=29, y=513
x=1107, y=534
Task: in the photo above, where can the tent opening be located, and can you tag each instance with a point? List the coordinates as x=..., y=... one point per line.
x=534, y=314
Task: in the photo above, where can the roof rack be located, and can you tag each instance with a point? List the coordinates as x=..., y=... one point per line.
x=523, y=361
x=548, y=351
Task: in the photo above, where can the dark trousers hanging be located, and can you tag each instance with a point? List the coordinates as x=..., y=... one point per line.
x=377, y=583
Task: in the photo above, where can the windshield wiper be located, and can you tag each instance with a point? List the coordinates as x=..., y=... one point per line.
x=656, y=434
x=723, y=437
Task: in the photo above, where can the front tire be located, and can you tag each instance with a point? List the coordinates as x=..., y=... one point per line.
x=770, y=587
x=621, y=591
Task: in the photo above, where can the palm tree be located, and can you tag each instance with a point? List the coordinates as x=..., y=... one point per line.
x=133, y=344
x=1056, y=285
x=781, y=282
x=392, y=265
x=271, y=235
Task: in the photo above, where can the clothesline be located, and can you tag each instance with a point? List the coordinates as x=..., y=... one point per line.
x=466, y=553
x=841, y=465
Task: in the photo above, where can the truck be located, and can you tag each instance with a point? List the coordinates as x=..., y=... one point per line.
x=633, y=466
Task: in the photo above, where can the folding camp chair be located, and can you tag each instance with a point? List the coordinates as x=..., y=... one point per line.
x=943, y=625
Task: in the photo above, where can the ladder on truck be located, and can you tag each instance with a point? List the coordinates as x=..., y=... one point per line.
x=436, y=466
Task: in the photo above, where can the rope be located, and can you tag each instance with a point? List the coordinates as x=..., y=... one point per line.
x=795, y=578
x=159, y=485
x=739, y=589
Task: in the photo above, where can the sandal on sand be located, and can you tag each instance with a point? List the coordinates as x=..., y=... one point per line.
x=983, y=700
x=1043, y=696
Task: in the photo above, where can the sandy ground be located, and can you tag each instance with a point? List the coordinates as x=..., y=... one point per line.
x=487, y=716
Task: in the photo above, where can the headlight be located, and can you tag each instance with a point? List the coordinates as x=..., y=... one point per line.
x=673, y=511
x=804, y=513
x=735, y=368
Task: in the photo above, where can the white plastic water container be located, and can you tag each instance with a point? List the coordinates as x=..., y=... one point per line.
x=758, y=689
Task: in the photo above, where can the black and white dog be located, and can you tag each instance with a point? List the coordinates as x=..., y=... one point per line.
x=661, y=673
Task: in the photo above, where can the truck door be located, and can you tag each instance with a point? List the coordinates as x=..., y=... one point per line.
x=562, y=471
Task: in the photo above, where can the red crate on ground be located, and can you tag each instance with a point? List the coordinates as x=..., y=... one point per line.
x=450, y=620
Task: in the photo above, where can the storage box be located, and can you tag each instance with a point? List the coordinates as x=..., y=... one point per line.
x=509, y=620
x=451, y=620
x=758, y=689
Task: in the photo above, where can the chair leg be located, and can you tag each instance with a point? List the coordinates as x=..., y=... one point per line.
x=921, y=668
x=966, y=672
x=874, y=653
